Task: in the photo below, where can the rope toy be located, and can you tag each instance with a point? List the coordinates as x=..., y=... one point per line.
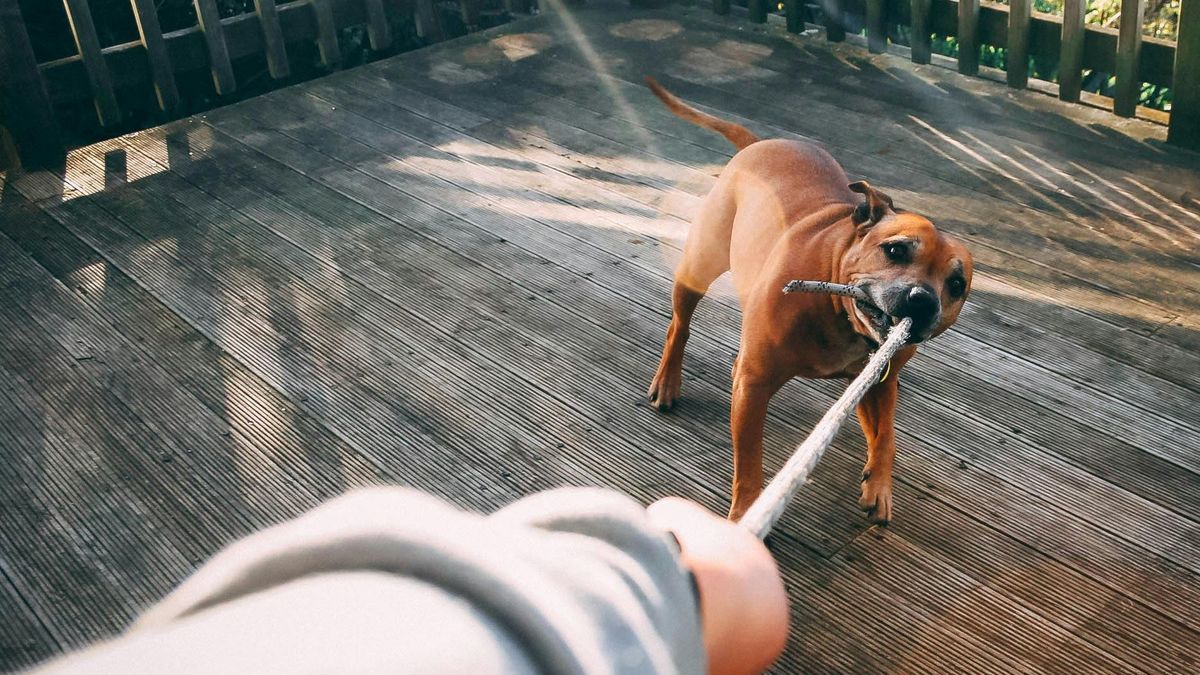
x=769, y=507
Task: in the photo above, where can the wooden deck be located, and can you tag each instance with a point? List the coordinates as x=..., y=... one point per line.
x=451, y=270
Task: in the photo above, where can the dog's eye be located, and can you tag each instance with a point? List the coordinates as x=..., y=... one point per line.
x=956, y=286
x=896, y=251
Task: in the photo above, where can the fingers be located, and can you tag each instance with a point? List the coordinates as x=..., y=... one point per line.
x=743, y=603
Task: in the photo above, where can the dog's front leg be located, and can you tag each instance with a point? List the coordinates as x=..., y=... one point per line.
x=750, y=400
x=877, y=413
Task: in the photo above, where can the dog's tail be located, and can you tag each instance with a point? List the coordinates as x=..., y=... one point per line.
x=737, y=134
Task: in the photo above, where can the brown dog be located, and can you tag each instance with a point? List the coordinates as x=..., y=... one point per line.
x=782, y=210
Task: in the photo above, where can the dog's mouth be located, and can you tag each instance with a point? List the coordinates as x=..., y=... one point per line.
x=876, y=321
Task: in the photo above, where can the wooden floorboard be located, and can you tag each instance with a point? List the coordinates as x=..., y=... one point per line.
x=451, y=270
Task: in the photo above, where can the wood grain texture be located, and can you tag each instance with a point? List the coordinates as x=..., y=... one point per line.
x=209, y=20
x=921, y=30
x=327, y=33
x=273, y=40
x=379, y=29
x=29, y=115
x=161, y=69
x=1185, y=104
x=1128, y=88
x=835, y=29
x=876, y=26
x=968, y=37
x=757, y=10
x=329, y=285
x=83, y=30
x=794, y=14
x=1016, y=56
x=1070, y=62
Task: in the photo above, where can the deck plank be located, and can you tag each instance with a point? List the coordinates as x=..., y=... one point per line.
x=330, y=285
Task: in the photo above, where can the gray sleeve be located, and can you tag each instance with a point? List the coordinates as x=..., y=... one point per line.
x=568, y=581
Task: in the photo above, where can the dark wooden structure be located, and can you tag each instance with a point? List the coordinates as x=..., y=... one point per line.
x=451, y=270
x=97, y=72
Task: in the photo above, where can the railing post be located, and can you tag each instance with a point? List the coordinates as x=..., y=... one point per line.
x=161, y=71
x=876, y=30
x=968, y=37
x=28, y=114
x=1016, y=61
x=218, y=52
x=378, y=29
x=919, y=32
x=835, y=27
x=327, y=34
x=428, y=25
x=79, y=15
x=1129, y=50
x=757, y=10
x=793, y=12
x=273, y=42
x=470, y=12
x=1184, y=127
x=1070, y=60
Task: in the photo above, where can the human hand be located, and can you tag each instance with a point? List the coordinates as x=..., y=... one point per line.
x=743, y=605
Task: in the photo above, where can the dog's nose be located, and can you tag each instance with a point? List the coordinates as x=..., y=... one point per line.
x=920, y=303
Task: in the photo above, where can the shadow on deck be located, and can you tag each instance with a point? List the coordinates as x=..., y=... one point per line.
x=451, y=270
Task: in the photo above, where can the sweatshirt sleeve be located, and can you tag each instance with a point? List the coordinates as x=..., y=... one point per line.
x=567, y=581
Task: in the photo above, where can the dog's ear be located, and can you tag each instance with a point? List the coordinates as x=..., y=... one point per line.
x=870, y=212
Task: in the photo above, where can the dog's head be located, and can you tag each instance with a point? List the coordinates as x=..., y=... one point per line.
x=907, y=267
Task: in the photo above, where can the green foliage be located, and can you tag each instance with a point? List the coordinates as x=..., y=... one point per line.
x=1161, y=21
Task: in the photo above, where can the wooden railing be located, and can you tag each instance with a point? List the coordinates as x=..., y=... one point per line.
x=1125, y=53
x=29, y=90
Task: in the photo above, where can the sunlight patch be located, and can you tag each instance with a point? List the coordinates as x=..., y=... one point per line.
x=646, y=29
x=522, y=45
x=90, y=279
x=452, y=73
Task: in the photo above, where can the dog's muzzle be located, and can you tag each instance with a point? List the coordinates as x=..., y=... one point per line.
x=918, y=302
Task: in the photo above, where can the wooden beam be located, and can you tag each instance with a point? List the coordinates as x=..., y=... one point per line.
x=273, y=42
x=757, y=10
x=1070, y=60
x=1016, y=58
x=968, y=37
x=379, y=31
x=1129, y=48
x=920, y=43
x=24, y=102
x=793, y=11
x=428, y=24
x=469, y=10
x=161, y=70
x=1184, y=129
x=327, y=34
x=876, y=31
x=84, y=31
x=209, y=20
x=835, y=27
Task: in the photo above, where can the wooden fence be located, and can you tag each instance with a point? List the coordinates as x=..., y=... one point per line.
x=29, y=90
x=1125, y=53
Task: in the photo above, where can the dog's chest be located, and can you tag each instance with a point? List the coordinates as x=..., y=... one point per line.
x=828, y=356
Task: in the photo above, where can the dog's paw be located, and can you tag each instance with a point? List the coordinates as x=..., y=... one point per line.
x=876, y=498
x=664, y=390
